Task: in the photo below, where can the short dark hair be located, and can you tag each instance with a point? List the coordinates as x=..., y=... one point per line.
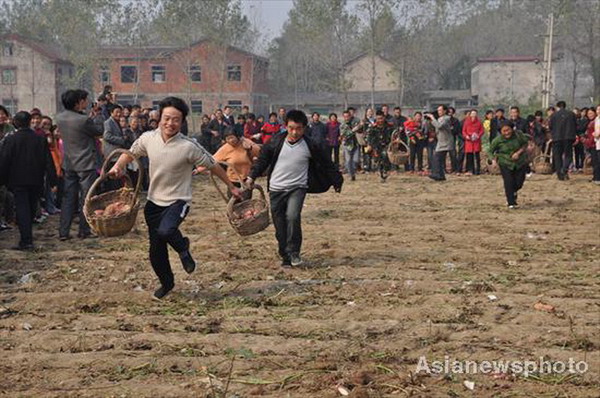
x=226, y=107
x=500, y=110
x=379, y=113
x=246, y=107
x=333, y=114
x=112, y=107
x=47, y=118
x=71, y=98
x=241, y=117
x=539, y=113
x=550, y=108
x=346, y=112
x=297, y=116
x=3, y=109
x=444, y=107
x=315, y=113
x=516, y=108
x=386, y=105
x=251, y=116
x=418, y=113
x=489, y=111
x=101, y=97
x=35, y=112
x=351, y=108
x=397, y=108
x=561, y=104
x=136, y=106
x=22, y=120
x=451, y=108
x=272, y=114
x=176, y=103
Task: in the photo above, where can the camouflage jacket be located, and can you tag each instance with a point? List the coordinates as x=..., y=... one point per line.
x=348, y=135
x=379, y=137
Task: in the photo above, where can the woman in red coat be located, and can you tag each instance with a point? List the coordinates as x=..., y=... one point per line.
x=472, y=132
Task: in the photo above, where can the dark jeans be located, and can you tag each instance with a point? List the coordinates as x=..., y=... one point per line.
x=562, y=156
x=77, y=185
x=26, y=201
x=431, y=154
x=474, y=163
x=163, y=228
x=579, y=156
x=286, y=207
x=460, y=154
x=351, y=157
x=595, y=155
x=513, y=181
x=439, y=164
x=416, y=151
x=334, y=151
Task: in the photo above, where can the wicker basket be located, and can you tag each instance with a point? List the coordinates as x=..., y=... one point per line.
x=542, y=164
x=236, y=210
x=120, y=224
x=398, y=152
x=588, y=169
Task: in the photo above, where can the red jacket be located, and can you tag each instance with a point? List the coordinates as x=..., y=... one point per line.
x=269, y=130
x=471, y=127
x=589, y=141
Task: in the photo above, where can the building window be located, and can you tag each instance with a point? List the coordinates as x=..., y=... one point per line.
x=11, y=105
x=9, y=76
x=104, y=75
x=8, y=49
x=129, y=74
x=196, y=107
x=159, y=74
x=234, y=73
x=195, y=73
x=236, y=105
x=155, y=104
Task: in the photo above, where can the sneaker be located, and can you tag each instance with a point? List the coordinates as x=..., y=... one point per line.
x=4, y=226
x=528, y=175
x=596, y=182
x=40, y=219
x=162, y=291
x=513, y=207
x=295, y=260
x=189, y=265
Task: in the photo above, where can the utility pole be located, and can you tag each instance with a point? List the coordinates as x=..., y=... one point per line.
x=547, y=81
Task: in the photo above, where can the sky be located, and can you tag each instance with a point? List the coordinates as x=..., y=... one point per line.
x=270, y=14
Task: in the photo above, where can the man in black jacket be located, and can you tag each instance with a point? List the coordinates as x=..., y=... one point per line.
x=295, y=165
x=497, y=123
x=563, y=125
x=24, y=160
x=517, y=122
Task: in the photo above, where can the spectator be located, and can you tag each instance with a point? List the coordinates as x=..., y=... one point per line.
x=563, y=126
x=472, y=133
x=333, y=138
x=79, y=164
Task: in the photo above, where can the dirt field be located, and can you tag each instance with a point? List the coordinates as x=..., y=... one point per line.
x=396, y=271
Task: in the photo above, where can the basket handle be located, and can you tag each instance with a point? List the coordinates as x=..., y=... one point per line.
x=547, y=151
x=121, y=151
x=212, y=178
x=233, y=200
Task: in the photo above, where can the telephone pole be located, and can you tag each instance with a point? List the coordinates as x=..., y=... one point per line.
x=547, y=79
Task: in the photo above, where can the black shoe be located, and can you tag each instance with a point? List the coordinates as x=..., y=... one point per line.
x=87, y=235
x=353, y=178
x=64, y=238
x=295, y=259
x=189, y=265
x=23, y=248
x=286, y=262
x=162, y=291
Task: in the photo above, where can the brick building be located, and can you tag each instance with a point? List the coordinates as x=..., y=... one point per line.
x=207, y=76
x=31, y=75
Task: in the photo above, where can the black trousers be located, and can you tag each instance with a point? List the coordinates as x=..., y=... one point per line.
x=513, y=182
x=439, y=164
x=76, y=186
x=460, y=154
x=26, y=201
x=474, y=163
x=579, y=155
x=334, y=151
x=163, y=228
x=562, y=156
x=286, y=209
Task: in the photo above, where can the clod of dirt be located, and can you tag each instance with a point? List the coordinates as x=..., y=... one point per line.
x=361, y=378
x=343, y=391
x=469, y=385
x=27, y=326
x=544, y=307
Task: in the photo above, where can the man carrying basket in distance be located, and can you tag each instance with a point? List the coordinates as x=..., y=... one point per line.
x=295, y=165
x=172, y=158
